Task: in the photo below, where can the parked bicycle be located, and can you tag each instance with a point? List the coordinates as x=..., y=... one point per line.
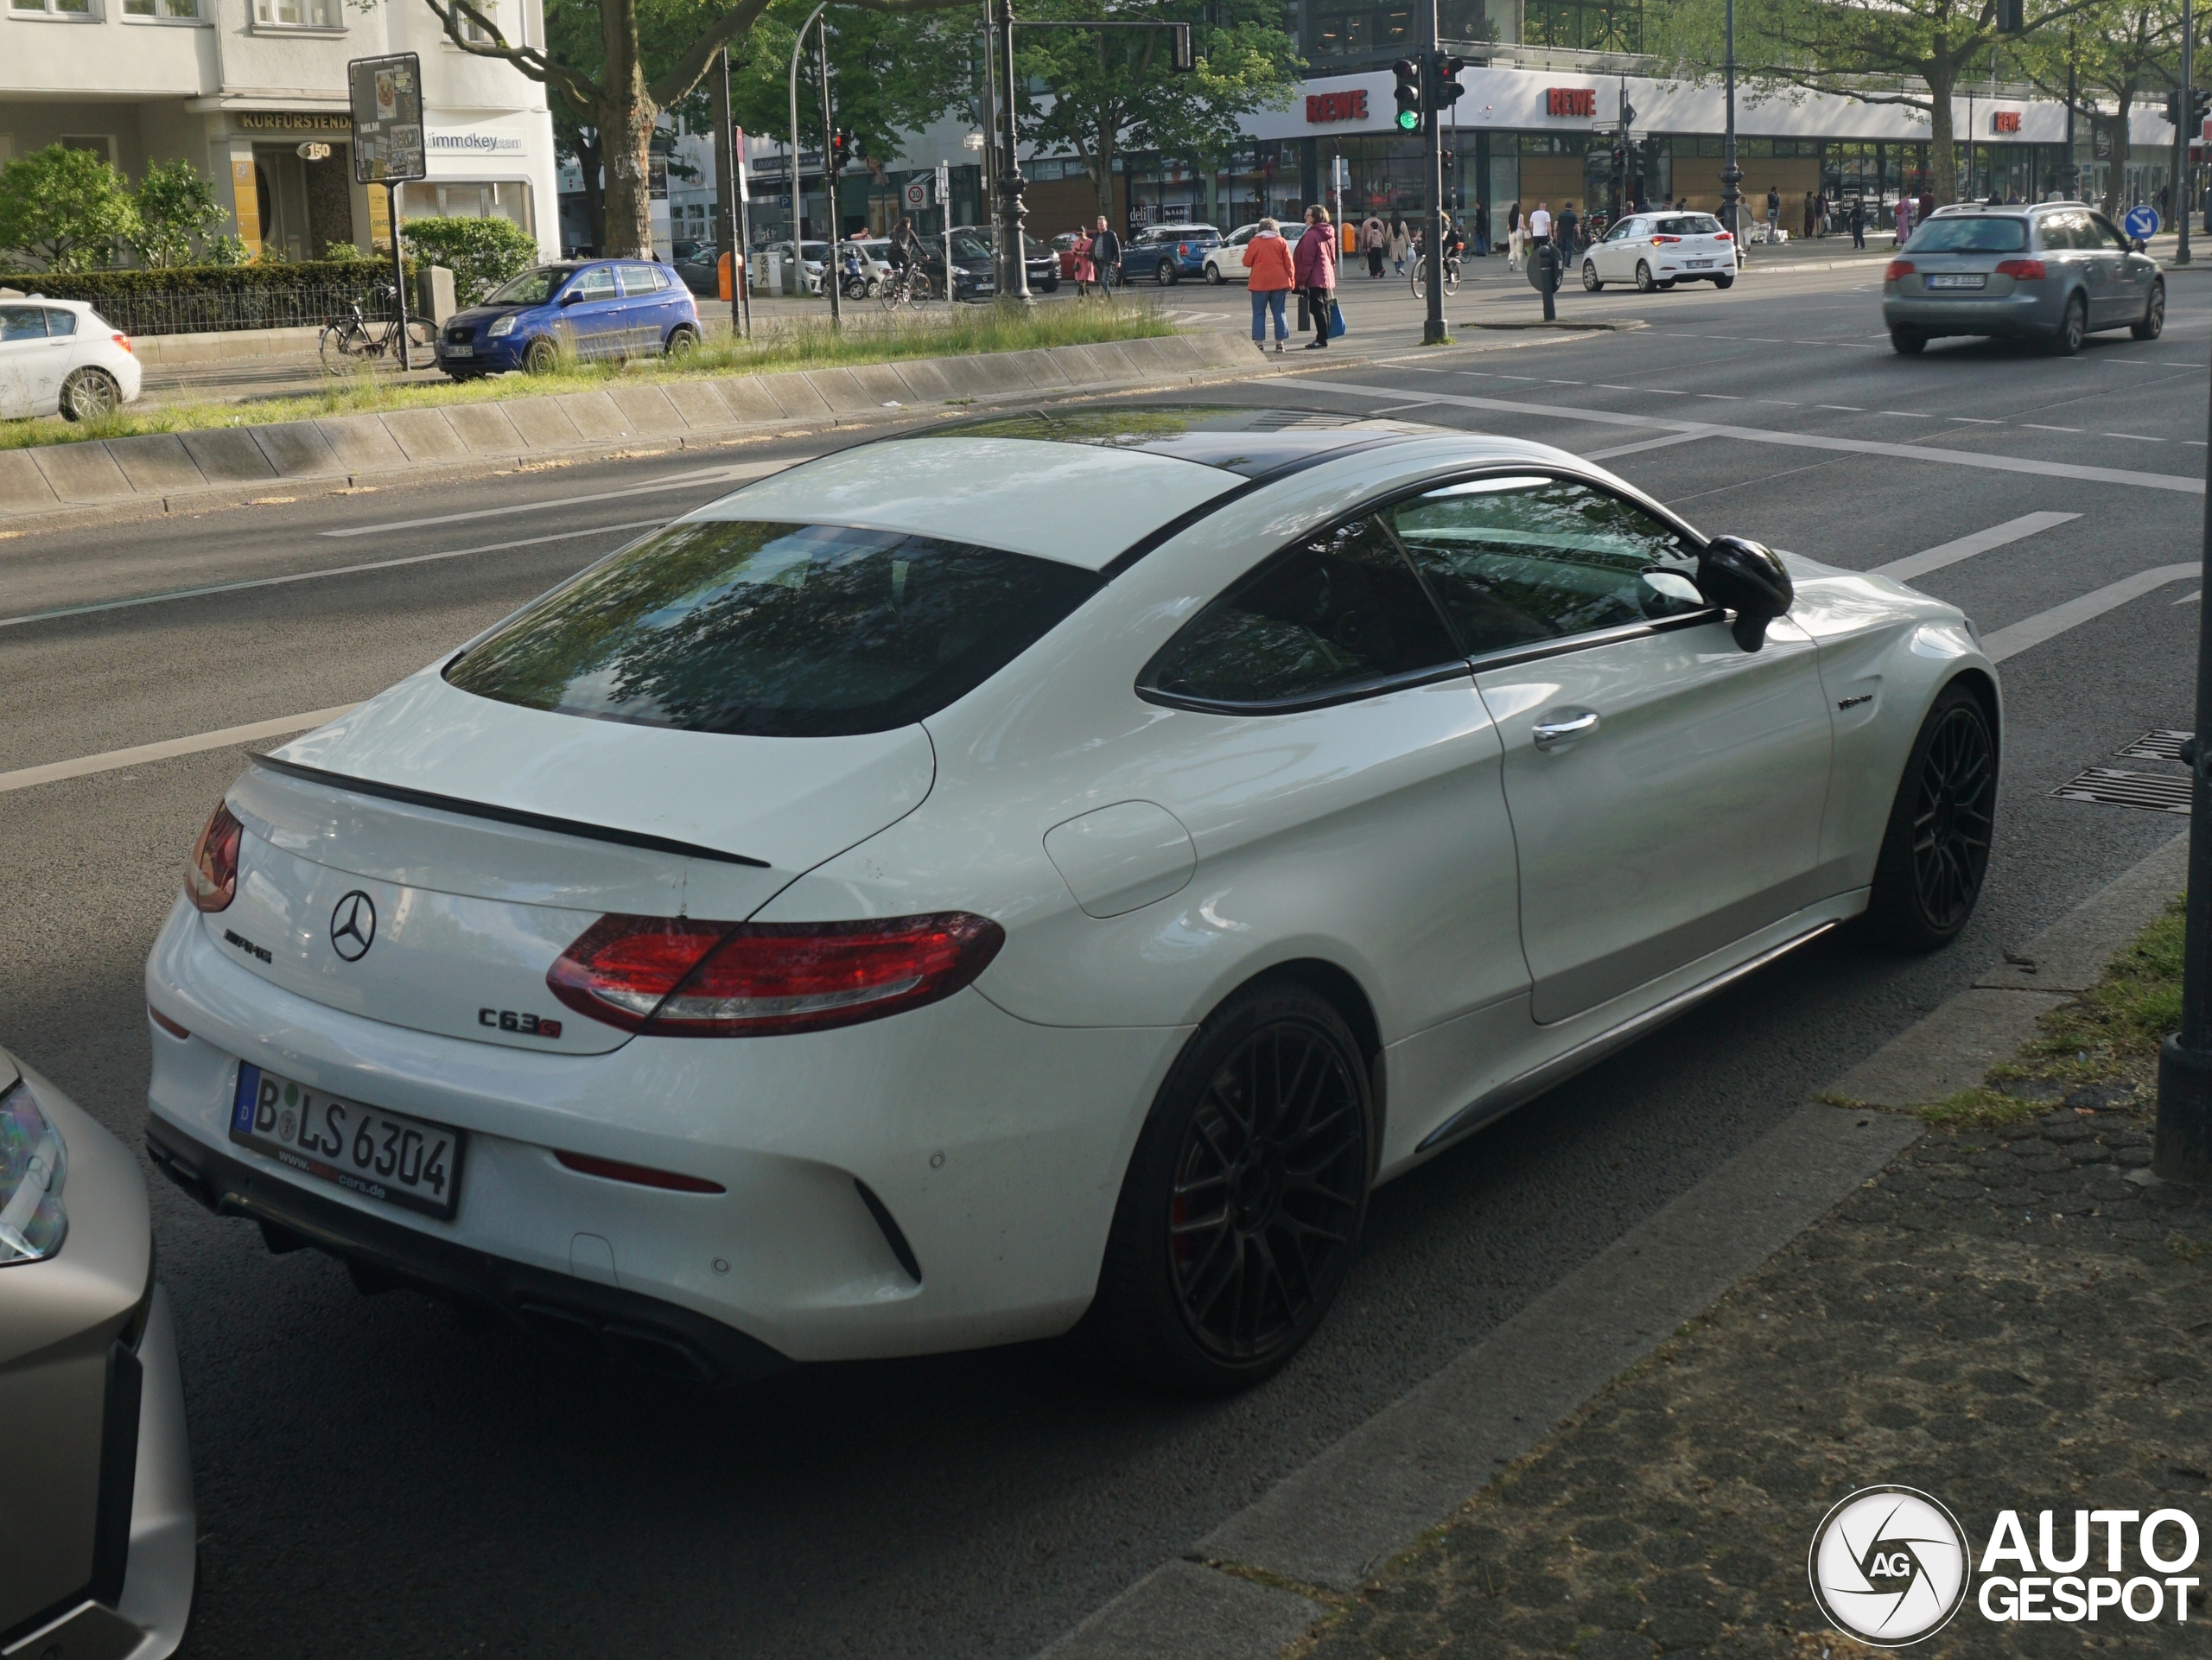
x=1420, y=275
x=348, y=341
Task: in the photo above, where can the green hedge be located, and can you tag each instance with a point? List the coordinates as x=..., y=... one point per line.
x=268, y=278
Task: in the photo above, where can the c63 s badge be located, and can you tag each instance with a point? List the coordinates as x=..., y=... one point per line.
x=507, y=1020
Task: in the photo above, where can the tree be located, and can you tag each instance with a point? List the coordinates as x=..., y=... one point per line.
x=649, y=56
x=481, y=253
x=1841, y=47
x=67, y=208
x=176, y=208
x=1112, y=90
x=2110, y=53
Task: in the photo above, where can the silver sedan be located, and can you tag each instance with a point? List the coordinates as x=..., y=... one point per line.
x=2057, y=271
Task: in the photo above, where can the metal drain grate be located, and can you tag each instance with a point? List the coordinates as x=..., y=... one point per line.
x=2155, y=746
x=2108, y=786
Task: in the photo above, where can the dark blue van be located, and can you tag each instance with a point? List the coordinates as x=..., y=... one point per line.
x=587, y=309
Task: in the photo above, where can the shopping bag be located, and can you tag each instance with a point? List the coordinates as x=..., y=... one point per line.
x=1304, y=317
x=1336, y=320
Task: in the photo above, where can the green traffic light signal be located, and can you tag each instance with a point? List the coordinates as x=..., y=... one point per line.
x=1408, y=120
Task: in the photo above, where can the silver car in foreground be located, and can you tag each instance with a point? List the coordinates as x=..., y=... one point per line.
x=98, y=1535
x=2058, y=271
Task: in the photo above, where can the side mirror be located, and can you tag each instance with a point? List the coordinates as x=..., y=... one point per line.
x=2137, y=244
x=570, y=296
x=1746, y=578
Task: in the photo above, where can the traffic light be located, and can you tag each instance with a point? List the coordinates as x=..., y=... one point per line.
x=1408, y=74
x=2012, y=18
x=840, y=149
x=1445, y=88
x=1182, y=58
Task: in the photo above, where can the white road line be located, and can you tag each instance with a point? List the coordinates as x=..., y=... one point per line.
x=333, y=571
x=2190, y=599
x=1973, y=420
x=734, y=474
x=1855, y=409
x=1648, y=443
x=1908, y=415
x=2036, y=426
x=2176, y=482
x=139, y=755
x=2137, y=436
x=1728, y=397
x=2049, y=625
x=1951, y=553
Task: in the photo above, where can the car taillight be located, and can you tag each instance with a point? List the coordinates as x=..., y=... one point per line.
x=123, y=340
x=210, y=880
x=1657, y=240
x=681, y=978
x=1898, y=268
x=2022, y=270
x=1722, y=236
x=1182, y=250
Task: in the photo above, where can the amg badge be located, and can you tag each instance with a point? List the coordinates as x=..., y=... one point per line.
x=529, y=1025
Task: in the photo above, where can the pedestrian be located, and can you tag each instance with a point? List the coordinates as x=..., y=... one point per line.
x=1773, y=212
x=1373, y=238
x=1567, y=225
x=1272, y=274
x=1314, y=267
x=1084, y=272
x=1106, y=257
x=1902, y=215
x=1401, y=240
x=1812, y=216
x=1925, y=209
x=1481, y=227
x=1515, y=233
x=1540, y=225
x=1858, y=224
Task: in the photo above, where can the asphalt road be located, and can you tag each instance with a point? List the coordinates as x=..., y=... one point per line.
x=373, y=1477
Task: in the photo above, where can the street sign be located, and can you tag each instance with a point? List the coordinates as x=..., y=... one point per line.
x=387, y=98
x=945, y=182
x=2142, y=222
x=918, y=193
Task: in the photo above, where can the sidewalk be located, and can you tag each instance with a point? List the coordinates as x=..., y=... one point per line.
x=2009, y=1317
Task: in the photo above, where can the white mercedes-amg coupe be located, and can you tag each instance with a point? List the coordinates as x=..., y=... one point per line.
x=1032, y=875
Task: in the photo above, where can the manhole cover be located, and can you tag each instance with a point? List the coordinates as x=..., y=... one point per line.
x=2110, y=788
x=2155, y=746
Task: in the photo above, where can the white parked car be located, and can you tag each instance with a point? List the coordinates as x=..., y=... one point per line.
x=1656, y=251
x=61, y=356
x=1226, y=263
x=884, y=912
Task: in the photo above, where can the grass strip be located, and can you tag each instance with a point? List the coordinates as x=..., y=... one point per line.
x=968, y=331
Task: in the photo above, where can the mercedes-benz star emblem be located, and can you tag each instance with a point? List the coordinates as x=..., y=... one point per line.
x=354, y=925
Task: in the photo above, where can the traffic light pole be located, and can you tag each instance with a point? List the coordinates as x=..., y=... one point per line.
x=833, y=270
x=1730, y=175
x=2187, y=112
x=1433, y=329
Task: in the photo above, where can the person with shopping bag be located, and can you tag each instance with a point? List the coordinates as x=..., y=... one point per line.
x=1272, y=274
x=1314, y=267
x=1513, y=238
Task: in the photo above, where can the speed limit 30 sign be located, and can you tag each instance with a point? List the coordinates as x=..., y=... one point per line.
x=918, y=193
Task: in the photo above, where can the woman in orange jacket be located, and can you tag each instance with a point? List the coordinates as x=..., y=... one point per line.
x=1267, y=258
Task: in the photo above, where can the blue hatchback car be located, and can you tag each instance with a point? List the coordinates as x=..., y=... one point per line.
x=596, y=309
x=1166, y=254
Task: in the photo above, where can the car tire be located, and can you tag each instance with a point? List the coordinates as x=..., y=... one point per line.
x=1725, y=280
x=2154, y=315
x=2073, y=329
x=1644, y=282
x=540, y=357
x=1908, y=342
x=1935, y=850
x=1666, y=283
x=89, y=393
x=683, y=341
x=1211, y=1304
x=1051, y=285
x=1167, y=274
x=1213, y=275
x=1590, y=277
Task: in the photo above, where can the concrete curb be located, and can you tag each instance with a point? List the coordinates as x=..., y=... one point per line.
x=1331, y=1525
x=224, y=465
x=1586, y=325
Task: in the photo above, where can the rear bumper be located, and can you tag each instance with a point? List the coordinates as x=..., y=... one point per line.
x=2012, y=314
x=616, y=1324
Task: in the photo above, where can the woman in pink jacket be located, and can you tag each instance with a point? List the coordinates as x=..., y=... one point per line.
x=1315, y=266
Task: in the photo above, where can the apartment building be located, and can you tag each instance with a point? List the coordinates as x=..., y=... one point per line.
x=252, y=93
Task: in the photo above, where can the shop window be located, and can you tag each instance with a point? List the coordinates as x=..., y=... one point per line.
x=1343, y=34
x=296, y=14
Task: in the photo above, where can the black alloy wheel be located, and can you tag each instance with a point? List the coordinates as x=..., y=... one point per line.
x=1239, y=1213
x=1935, y=852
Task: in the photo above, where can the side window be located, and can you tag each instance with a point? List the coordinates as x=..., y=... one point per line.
x=61, y=324
x=597, y=284
x=23, y=323
x=1518, y=560
x=637, y=280
x=2103, y=233
x=1339, y=610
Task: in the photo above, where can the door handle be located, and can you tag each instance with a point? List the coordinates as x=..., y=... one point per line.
x=1549, y=734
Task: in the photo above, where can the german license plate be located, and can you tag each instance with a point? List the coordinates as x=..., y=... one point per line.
x=381, y=1155
x=1697, y=264
x=460, y=351
x=1958, y=280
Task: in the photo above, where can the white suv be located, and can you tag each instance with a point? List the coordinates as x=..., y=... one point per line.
x=61, y=356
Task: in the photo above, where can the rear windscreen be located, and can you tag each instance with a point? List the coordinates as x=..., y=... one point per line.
x=776, y=630
x=1694, y=225
x=1969, y=235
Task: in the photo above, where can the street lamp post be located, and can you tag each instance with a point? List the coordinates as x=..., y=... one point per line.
x=1730, y=175
x=1010, y=178
x=2185, y=111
